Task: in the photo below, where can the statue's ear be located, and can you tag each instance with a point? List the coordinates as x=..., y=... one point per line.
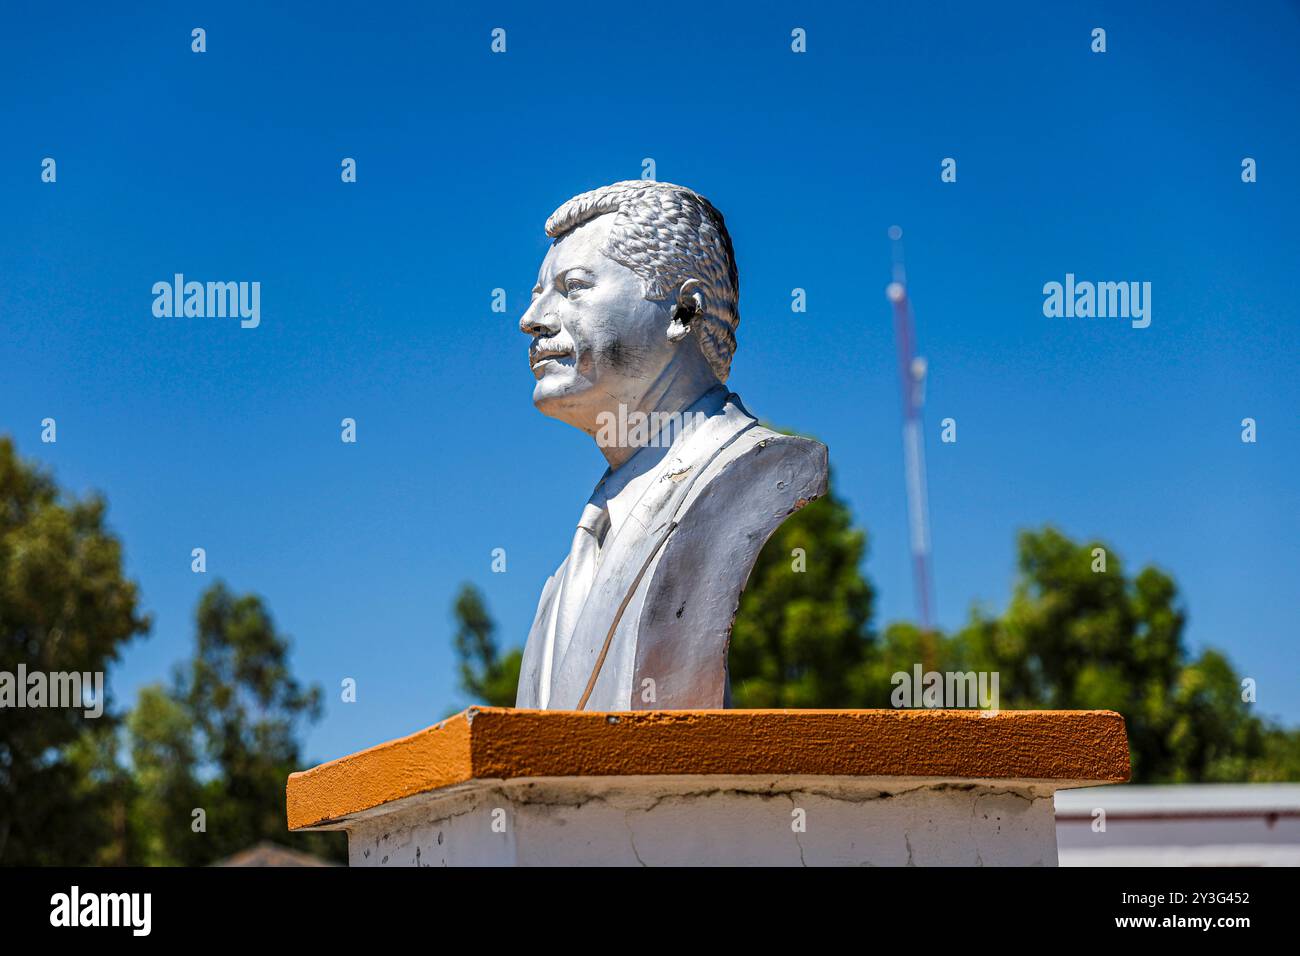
x=689, y=306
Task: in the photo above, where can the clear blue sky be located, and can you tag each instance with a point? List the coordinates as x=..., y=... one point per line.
x=376, y=296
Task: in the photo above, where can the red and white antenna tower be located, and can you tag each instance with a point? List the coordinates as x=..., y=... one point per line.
x=911, y=374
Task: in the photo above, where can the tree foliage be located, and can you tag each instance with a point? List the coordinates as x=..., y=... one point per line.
x=1076, y=637
x=115, y=789
x=1070, y=638
x=65, y=606
x=223, y=739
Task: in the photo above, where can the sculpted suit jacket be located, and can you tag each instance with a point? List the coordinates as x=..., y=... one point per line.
x=655, y=627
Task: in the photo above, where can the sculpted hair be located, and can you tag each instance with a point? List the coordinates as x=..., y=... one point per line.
x=667, y=234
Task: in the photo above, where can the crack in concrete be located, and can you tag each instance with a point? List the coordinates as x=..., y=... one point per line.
x=631, y=838
x=799, y=843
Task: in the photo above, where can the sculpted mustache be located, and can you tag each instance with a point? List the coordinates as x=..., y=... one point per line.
x=558, y=343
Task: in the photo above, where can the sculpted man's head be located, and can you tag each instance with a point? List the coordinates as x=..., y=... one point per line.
x=635, y=303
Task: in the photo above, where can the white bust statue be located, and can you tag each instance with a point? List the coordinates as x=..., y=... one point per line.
x=633, y=328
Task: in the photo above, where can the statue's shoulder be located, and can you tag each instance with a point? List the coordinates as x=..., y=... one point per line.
x=775, y=447
x=760, y=476
x=752, y=481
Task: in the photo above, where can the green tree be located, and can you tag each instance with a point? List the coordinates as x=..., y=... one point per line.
x=65, y=605
x=1077, y=638
x=106, y=790
x=165, y=764
x=900, y=648
x=485, y=674
x=241, y=703
x=221, y=739
x=1070, y=638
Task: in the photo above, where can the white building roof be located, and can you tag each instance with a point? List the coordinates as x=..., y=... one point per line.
x=1214, y=799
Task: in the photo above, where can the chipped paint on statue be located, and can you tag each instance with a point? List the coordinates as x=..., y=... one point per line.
x=633, y=329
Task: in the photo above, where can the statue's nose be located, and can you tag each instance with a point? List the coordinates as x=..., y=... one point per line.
x=536, y=321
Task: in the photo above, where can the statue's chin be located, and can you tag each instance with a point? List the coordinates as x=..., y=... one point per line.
x=561, y=393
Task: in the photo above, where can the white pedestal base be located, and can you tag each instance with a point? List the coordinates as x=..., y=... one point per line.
x=714, y=821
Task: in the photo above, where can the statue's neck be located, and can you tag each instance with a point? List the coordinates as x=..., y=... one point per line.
x=673, y=392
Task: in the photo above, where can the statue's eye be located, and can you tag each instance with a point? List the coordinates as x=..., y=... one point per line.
x=573, y=283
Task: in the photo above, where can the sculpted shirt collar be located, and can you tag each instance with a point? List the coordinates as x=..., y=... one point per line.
x=620, y=490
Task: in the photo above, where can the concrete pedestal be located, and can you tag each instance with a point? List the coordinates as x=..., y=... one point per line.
x=498, y=786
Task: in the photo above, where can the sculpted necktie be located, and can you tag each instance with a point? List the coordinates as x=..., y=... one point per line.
x=579, y=575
